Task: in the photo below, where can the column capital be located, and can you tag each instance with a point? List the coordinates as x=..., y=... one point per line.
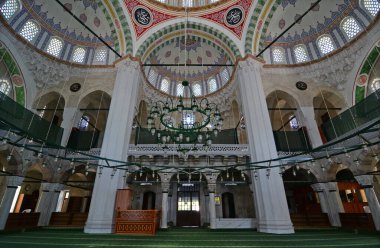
x=127, y=62
x=14, y=181
x=365, y=180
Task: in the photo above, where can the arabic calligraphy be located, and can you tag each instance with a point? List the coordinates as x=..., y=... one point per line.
x=234, y=16
x=142, y=16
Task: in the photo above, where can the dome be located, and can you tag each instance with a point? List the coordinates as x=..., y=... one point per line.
x=200, y=62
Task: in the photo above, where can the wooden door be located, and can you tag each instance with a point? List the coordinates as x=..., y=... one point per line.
x=188, y=206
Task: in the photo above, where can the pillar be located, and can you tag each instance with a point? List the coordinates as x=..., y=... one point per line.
x=212, y=212
x=70, y=119
x=115, y=146
x=327, y=204
x=366, y=181
x=164, y=210
x=311, y=126
x=271, y=206
x=6, y=203
x=47, y=202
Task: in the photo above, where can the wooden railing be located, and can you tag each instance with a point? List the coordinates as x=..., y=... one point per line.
x=137, y=222
x=68, y=219
x=18, y=221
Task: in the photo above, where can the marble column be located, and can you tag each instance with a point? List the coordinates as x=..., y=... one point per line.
x=212, y=212
x=327, y=206
x=115, y=146
x=311, y=125
x=366, y=181
x=47, y=202
x=6, y=203
x=69, y=119
x=164, y=210
x=269, y=194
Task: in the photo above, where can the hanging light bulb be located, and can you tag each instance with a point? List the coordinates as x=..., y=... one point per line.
x=56, y=159
x=59, y=168
x=323, y=168
x=268, y=172
x=308, y=171
x=215, y=130
x=200, y=137
x=255, y=174
x=113, y=172
x=375, y=158
x=282, y=170
x=72, y=162
x=365, y=147
x=294, y=173
x=73, y=171
x=297, y=166
x=347, y=154
x=357, y=163
x=43, y=164
x=9, y=157
x=100, y=170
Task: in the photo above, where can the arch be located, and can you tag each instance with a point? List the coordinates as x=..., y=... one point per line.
x=79, y=55
x=300, y=53
x=11, y=71
x=205, y=32
x=30, y=30
x=327, y=104
x=278, y=55
x=325, y=44
x=350, y=27
x=281, y=105
x=360, y=88
x=10, y=8
x=55, y=46
x=50, y=107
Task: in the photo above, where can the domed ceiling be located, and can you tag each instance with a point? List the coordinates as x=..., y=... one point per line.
x=52, y=17
x=195, y=52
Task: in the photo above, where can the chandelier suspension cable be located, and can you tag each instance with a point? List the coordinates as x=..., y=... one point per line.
x=282, y=123
x=63, y=85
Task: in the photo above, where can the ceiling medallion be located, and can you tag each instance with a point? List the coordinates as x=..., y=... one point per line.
x=142, y=16
x=75, y=87
x=301, y=85
x=234, y=16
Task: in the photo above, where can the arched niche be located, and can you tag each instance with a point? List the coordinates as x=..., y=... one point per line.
x=93, y=113
x=327, y=105
x=300, y=196
x=232, y=190
x=77, y=198
x=30, y=190
x=50, y=106
x=282, y=108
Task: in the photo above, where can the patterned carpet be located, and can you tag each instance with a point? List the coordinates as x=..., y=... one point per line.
x=177, y=237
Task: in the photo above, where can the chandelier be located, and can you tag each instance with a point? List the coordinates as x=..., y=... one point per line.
x=184, y=121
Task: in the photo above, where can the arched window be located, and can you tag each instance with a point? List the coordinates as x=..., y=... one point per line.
x=9, y=8
x=164, y=85
x=225, y=76
x=30, y=30
x=197, y=90
x=278, y=55
x=372, y=6
x=300, y=54
x=84, y=122
x=55, y=47
x=5, y=86
x=375, y=85
x=100, y=55
x=188, y=3
x=79, y=55
x=152, y=76
x=325, y=44
x=293, y=122
x=212, y=87
x=188, y=119
x=180, y=89
x=350, y=27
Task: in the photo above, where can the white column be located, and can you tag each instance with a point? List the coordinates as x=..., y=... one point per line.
x=47, y=202
x=115, y=146
x=311, y=125
x=327, y=206
x=212, y=212
x=164, y=210
x=70, y=118
x=366, y=181
x=12, y=183
x=271, y=205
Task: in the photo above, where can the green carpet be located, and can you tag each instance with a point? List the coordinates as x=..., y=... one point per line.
x=178, y=237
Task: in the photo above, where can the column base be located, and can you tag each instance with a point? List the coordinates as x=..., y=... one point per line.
x=276, y=227
x=99, y=226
